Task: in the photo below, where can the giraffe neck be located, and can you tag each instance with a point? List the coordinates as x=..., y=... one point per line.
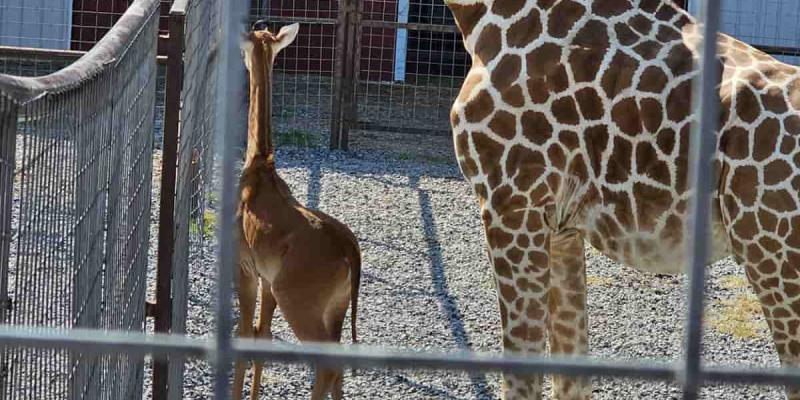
x=259, y=135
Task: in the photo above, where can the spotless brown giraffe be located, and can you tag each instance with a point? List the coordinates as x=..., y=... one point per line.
x=306, y=262
x=573, y=124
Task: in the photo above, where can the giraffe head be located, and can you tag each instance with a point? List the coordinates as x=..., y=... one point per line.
x=264, y=45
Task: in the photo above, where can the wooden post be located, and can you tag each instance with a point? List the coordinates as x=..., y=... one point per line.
x=162, y=309
x=343, y=111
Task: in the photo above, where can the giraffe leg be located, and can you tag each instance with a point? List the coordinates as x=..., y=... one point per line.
x=263, y=330
x=520, y=261
x=776, y=282
x=567, y=330
x=248, y=290
x=307, y=305
x=309, y=326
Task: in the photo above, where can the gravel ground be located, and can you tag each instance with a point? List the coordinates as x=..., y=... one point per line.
x=427, y=285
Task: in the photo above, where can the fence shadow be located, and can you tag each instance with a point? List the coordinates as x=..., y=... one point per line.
x=447, y=301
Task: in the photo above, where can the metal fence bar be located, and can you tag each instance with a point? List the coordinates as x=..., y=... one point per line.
x=50, y=54
x=230, y=85
x=702, y=149
x=362, y=356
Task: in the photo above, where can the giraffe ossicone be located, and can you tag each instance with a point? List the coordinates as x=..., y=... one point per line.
x=573, y=125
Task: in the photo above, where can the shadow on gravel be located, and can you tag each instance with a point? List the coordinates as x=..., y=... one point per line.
x=424, y=389
x=446, y=300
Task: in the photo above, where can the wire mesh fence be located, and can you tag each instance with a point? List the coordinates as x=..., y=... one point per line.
x=412, y=65
x=303, y=86
x=77, y=158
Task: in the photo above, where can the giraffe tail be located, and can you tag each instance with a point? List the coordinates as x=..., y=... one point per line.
x=355, y=281
x=569, y=201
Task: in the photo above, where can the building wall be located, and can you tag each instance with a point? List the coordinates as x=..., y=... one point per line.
x=35, y=23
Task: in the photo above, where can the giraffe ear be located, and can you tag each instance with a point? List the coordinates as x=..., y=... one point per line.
x=284, y=38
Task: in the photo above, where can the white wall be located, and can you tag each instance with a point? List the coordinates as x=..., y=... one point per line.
x=36, y=23
x=761, y=22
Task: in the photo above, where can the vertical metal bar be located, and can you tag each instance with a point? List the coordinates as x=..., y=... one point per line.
x=166, y=224
x=702, y=149
x=229, y=121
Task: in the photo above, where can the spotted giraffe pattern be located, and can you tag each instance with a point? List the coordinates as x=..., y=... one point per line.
x=573, y=124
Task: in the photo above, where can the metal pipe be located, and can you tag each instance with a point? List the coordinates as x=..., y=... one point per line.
x=94, y=342
x=229, y=121
x=702, y=150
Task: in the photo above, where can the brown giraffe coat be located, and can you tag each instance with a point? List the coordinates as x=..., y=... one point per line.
x=573, y=124
x=306, y=262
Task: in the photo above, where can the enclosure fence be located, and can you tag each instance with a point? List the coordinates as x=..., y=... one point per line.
x=76, y=188
x=74, y=163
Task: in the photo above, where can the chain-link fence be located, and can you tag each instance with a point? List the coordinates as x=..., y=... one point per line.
x=77, y=170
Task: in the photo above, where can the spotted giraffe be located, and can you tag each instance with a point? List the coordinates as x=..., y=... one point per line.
x=573, y=124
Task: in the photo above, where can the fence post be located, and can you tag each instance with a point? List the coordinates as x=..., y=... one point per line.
x=350, y=110
x=162, y=309
x=8, y=146
x=347, y=39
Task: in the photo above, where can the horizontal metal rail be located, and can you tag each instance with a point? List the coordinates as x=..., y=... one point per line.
x=302, y=20
x=96, y=342
x=411, y=26
x=50, y=54
x=779, y=50
x=371, y=126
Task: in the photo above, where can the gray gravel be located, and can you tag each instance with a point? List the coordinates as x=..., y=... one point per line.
x=427, y=286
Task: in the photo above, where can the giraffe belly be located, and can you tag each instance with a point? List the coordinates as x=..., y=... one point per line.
x=652, y=251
